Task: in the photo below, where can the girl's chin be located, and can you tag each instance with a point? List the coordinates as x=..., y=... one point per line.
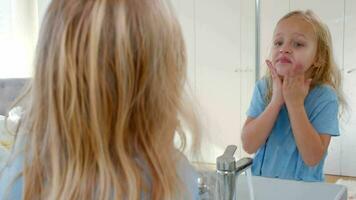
x=283, y=69
x=282, y=74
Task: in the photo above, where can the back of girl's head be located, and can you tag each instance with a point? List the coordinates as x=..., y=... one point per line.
x=105, y=97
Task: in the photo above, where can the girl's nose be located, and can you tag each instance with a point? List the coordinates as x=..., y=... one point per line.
x=285, y=50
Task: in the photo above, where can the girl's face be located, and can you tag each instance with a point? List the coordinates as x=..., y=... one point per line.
x=294, y=43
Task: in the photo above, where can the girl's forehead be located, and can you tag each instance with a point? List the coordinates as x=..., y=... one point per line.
x=295, y=25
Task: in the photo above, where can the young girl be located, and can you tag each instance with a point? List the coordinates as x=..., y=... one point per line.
x=105, y=102
x=294, y=110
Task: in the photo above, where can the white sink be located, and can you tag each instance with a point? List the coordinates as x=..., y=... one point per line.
x=271, y=188
x=280, y=189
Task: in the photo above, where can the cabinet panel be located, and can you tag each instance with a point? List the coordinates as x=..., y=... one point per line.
x=218, y=33
x=350, y=33
x=348, y=137
x=185, y=13
x=221, y=95
x=332, y=162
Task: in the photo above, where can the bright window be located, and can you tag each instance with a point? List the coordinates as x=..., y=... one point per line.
x=19, y=23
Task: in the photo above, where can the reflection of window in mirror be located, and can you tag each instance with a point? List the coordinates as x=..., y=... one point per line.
x=19, y=23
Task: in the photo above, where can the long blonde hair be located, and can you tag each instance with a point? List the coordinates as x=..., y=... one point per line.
x=105, y=102
x=325, y=69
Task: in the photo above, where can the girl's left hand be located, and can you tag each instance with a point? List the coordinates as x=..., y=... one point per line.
x=295, y=86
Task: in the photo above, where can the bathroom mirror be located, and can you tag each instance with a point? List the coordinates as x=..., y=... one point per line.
x=227, y=42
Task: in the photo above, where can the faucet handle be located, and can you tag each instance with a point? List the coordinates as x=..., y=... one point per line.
x=226, y=162
x=230, y=150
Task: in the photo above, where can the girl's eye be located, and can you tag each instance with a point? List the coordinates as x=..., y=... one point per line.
x=298, y=44
x=278, y=43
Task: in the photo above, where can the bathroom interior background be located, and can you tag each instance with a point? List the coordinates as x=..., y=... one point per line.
x=227, y=43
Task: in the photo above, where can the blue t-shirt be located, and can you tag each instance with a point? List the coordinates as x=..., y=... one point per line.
x=279, y=156
x=11, y=180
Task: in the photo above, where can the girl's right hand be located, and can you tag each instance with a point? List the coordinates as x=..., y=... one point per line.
x=277, y=95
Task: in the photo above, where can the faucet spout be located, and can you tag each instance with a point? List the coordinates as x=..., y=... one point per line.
x=243, y=164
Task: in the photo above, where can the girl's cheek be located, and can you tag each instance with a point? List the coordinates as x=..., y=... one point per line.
x=299, y=67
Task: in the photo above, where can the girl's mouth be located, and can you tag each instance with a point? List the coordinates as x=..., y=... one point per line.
x=284, y=60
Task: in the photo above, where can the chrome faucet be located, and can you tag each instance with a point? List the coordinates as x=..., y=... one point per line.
x=227, y=170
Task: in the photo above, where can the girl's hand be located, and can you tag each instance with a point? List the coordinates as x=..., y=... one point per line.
x=277, y=96
x=295, y=87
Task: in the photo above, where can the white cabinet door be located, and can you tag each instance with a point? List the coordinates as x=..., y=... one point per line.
x=218, y=34
x=219, y=97
x=333, y=163
x=217, y=58
x=224, y=63
x=348, y=137
x=348, y=145
x=186, y=15
x=350, y=34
